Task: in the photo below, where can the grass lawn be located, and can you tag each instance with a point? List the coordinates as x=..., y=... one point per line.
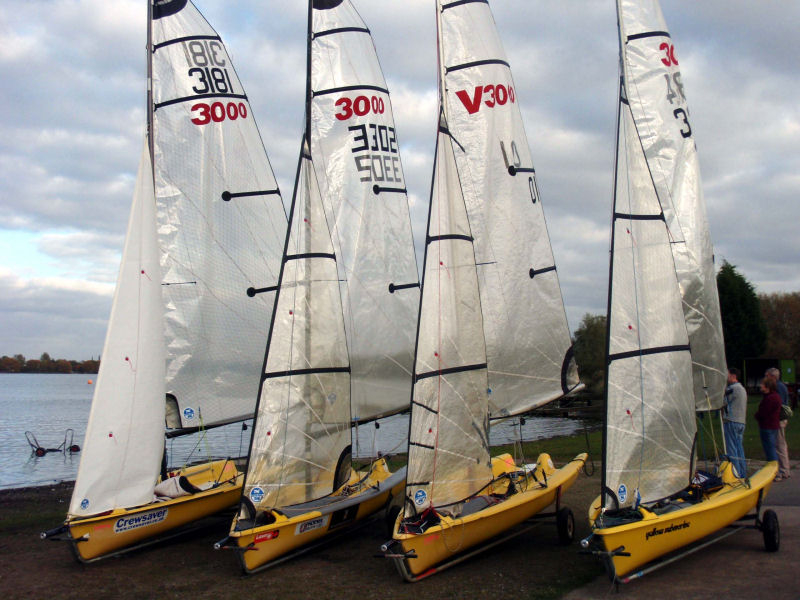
x=564, y=448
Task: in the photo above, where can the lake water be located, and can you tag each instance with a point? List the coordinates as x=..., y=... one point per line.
x=49, y=404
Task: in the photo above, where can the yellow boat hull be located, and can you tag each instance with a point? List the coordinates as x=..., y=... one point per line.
x=123, y=529
x=267, y=545
x=656, y=535
x=422, y=552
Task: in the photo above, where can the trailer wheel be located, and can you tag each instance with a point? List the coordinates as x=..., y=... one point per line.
x=565, y=521
x=771, y=530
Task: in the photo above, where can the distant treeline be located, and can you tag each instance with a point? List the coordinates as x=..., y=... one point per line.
x=19, y=364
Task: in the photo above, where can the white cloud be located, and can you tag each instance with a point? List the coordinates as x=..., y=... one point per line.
x=72, y=119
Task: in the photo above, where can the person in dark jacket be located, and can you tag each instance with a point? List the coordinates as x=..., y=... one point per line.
x=768, y=417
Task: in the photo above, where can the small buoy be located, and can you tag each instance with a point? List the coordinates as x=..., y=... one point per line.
x=89, y=382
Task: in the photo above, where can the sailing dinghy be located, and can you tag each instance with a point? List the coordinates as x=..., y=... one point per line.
x=340, y=347
x=184, y=334
x=665, y=351
x=492, y=338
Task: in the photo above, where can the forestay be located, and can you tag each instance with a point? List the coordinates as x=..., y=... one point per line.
x=357, y=161
x=221, y=222
x=125, y=434
x=659, y=110
x=650, y=420
x=527, y=336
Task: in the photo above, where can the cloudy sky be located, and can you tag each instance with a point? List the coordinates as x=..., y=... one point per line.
x=72, y=113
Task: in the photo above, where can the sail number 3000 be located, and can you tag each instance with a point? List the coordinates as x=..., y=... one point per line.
x=359, y=107
x=218, y=112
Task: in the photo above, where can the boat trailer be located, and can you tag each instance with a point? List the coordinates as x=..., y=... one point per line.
x=68, y=445
x=767, y=524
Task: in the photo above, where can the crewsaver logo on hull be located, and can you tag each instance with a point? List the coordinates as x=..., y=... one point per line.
x=143, y=520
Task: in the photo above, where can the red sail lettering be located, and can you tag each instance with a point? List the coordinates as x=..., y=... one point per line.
x=471, y=104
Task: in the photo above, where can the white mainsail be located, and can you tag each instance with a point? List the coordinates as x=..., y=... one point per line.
x=357, y=160
x=658, y=106
x=220, y=218
x=493, y=339
x=527, y=336
x=341, y=344
x=125, y=434
x=650, y=420
x=206, y=224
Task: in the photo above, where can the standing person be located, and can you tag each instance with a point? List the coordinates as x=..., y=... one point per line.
x=734, y=417
x=780, y=443
x=768, y=417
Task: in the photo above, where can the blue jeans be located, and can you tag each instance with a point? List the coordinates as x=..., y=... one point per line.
x=733, y=443
x=768, y=439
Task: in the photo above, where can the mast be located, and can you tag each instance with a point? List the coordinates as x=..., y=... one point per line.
x=620, y=94
x=149, y=111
